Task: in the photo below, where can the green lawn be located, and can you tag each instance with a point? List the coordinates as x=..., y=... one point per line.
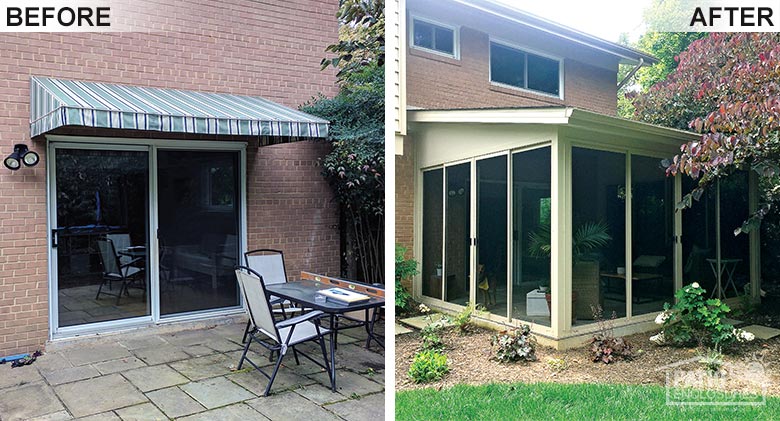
x=566, y=402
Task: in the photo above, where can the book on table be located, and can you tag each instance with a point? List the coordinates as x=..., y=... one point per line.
x=344, y=295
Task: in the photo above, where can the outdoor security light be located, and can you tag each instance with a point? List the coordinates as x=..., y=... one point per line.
x=21, y=155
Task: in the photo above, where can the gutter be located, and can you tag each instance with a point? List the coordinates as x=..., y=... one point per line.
x=631, y=73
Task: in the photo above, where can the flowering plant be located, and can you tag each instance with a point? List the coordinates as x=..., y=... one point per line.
x=697, y=320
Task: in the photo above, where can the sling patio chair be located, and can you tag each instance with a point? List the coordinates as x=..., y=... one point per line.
x=277, y=336
x=269, y=263
x=115, y=270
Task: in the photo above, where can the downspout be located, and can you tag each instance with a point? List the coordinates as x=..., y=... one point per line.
x=631, y=73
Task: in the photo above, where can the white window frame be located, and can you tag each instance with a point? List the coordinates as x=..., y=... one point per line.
x=526, y=50
x=455, y=37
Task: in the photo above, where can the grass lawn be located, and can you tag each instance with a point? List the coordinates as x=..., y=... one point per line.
x=522, y=401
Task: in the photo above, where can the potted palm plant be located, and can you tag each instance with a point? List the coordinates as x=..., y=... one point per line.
x=588, y=238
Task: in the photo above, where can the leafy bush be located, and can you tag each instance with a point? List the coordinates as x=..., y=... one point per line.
x=463, y=319
x=404, y=269
x=431, y=339
x=514, y=345
x=428, y=366
x=696, y=320
x=605, y=347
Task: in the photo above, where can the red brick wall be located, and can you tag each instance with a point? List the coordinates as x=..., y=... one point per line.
x=439, y=82
x=291, y=209
x=272, y=49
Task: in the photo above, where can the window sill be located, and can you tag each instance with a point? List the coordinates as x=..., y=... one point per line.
x=525, y=94
x=434, y=56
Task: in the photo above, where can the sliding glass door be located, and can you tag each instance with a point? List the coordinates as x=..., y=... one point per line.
x=100, y=234
x=135, y=239
x=198, y=207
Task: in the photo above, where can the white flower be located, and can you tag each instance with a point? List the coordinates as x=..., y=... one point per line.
x=743, y=335
x=423, y=308
x=658, y=339
x=662, y=317
x=695, y=285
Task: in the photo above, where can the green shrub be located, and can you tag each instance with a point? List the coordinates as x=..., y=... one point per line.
x=431, y=338
x=605, y=347
x=463, y=319
x=697, y=320
x=514, y=345
x=428, y=366
x=712, y=360
x=404, y=269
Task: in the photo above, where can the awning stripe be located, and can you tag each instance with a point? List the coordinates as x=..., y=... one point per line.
x=58, y=102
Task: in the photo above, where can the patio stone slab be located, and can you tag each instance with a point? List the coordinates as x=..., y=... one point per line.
x=290, y=406
x=29, y=401
x=348, y=383
x=12, y=377
x=320, y=394
x=359, y=359
x=174, y=402
x=420, y=322
x=190, y=337
x=55, y=416
x=733, y=322
x=154, y=377
x=145, y=341
x=213, y=393
x=260, y=360
x=285, y=379
x=142, y=412
x=105, y=416
x=160, y=354
x=237, y=412
x=51, y=361
x=223, y=345
x=98, y=395
x=366, y=408
x=94, y=354
x=205, y=367
x=401, y=330
x=198, y=350
x=762, y=332
x=115, y=366
x=71, y=374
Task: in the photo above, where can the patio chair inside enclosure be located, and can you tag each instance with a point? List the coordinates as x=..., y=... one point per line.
x=114, y=270
x=278, y=336
x=121, y=242
x=269, y=263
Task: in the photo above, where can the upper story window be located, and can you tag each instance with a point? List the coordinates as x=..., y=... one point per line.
x=435, y=37
x=521, y=69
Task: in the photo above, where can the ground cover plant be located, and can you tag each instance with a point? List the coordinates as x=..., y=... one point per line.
x=428, y=366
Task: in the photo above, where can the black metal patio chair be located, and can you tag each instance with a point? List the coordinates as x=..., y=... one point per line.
x=269, y=263
x=277, y=336
x=115, y=270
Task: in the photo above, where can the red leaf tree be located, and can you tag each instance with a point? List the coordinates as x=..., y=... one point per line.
x=726, y=87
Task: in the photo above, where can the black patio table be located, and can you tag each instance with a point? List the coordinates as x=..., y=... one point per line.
x=303, y=292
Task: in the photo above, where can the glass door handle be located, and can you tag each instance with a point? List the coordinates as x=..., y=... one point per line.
x=54, y=239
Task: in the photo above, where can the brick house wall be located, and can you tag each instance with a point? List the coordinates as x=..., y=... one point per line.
x=438, y=82
x=270, y=49
x=434, y=81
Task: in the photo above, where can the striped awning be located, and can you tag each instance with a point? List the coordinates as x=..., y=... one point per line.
x=55, y=103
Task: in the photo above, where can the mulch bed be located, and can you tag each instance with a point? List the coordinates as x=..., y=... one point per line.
x=471, y=362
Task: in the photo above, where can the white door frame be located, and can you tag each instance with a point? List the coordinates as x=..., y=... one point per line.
x=151, y=146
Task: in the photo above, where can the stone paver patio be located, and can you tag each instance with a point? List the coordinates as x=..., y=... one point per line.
x=156, y=374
